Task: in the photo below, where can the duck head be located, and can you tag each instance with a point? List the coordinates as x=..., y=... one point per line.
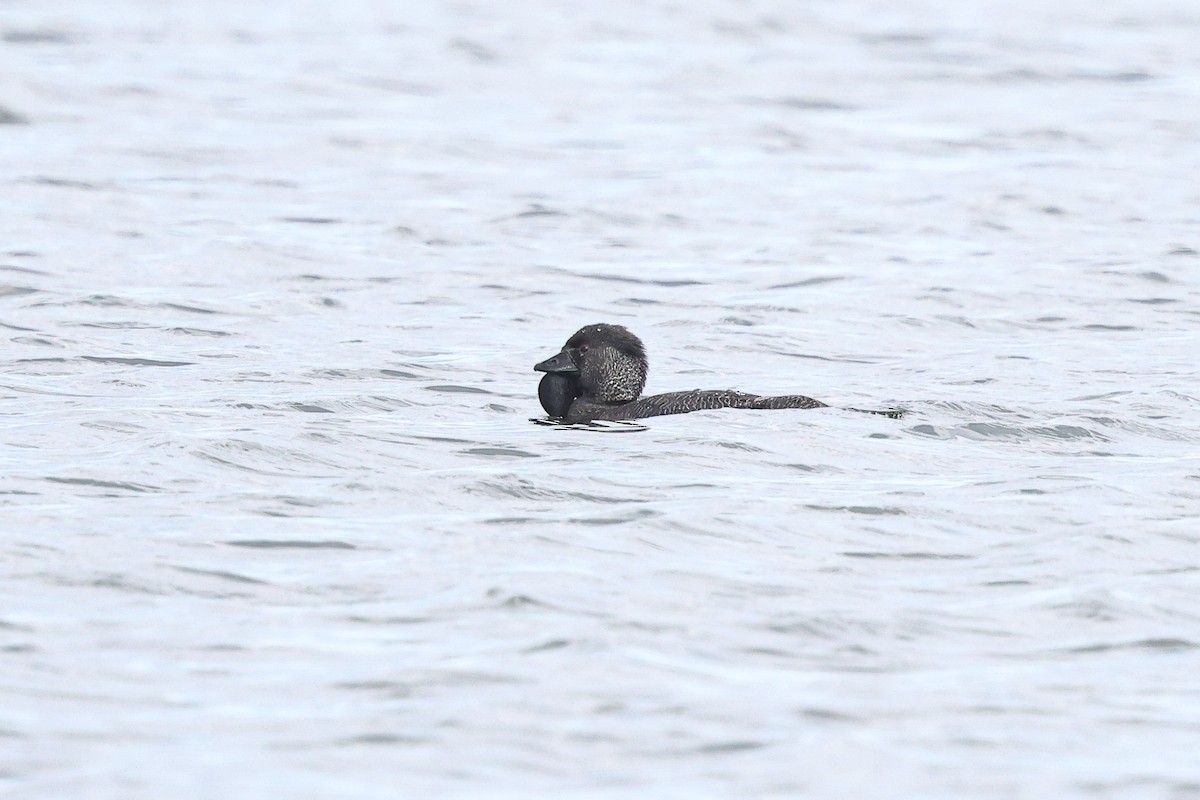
x=601, y=363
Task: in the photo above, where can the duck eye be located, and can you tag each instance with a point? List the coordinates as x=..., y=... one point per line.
x=583, y=348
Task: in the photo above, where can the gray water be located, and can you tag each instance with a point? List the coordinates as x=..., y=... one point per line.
x=275, y=522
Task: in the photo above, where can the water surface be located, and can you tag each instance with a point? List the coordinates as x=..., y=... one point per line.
x=275, y=521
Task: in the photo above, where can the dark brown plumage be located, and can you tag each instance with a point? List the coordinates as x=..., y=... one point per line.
x=600, y=374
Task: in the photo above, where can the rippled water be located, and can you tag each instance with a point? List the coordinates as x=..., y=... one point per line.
x=275, y=520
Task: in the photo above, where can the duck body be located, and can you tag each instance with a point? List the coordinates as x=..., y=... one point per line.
x=600, y=372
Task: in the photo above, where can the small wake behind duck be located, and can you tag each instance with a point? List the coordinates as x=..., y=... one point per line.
x=600, y=372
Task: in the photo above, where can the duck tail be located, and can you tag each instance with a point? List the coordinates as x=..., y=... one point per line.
x=890, y=413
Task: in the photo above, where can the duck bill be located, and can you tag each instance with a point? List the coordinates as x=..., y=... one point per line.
x=563, y=362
